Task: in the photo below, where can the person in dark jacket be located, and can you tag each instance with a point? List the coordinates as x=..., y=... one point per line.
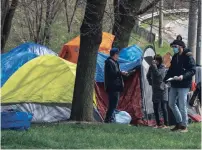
x=180, y=75
x=113, y=82
x=179, y=37
x=155, y=78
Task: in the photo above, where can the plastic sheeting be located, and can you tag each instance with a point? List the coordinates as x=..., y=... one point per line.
x=149, y=53
x=37, y=49
x=9, y=65
x=15, y=120
x=122, y=117
x=47, y=112
x=17, y=57
x=129, y=58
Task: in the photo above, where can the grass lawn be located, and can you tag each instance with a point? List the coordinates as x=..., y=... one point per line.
x=79, y=136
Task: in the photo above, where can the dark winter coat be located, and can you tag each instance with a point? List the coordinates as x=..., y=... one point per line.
x=112, y=76
x=183, y=64
x=155, y=78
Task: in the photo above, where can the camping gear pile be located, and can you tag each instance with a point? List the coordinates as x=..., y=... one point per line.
x=35, y=80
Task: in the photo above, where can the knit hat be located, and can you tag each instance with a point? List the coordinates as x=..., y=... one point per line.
x=178, y=42
x=114, y=51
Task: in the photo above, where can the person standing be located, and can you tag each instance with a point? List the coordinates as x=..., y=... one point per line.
x=155, y=78
x=113, y=82
x=180, y=74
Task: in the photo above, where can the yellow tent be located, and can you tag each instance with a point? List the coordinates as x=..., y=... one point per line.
x=45, y=80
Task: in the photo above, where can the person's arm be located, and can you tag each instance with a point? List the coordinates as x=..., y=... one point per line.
x=190, y=69
x=149, y=78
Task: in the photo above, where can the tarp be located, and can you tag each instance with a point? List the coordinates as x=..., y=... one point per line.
x=70, y=50
x=17, y=57
x=10, y=64
x=37, y=49
x=129, y=58
x=149, y=53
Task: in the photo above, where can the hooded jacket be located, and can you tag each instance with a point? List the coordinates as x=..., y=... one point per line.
x=184, y=65
x=113, y=80
x=155, y=78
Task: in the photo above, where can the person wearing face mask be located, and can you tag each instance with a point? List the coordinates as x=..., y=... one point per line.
x=181, y=71
x=155, y=78
x=113, y=82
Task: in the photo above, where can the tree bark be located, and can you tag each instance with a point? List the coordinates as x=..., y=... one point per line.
x=198, y=47
x=161, y=23
x=126, y=15
x=192, y=28
x=6, y=21
x=90, y=39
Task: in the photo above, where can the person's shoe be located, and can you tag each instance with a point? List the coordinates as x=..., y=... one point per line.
x=164, y=127
x=176, y=128
x=183, y=129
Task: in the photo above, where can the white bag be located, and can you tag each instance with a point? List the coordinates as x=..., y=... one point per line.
x=122, y=117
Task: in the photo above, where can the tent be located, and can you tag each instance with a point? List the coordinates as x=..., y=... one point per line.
x=167, y=59
x=131, y=99
x=70, y=50
x=44, y=87
x=17, y=57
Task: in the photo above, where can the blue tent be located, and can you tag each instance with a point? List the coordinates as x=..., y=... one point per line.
x=129, y=58
x=17, y=57
x=31, y=47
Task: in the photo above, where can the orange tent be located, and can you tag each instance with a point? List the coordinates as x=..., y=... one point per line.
x=167, y=59
x=70, y=50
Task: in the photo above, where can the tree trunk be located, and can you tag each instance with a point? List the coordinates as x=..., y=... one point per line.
x=192, y=29
x=125, y=14
x=161, y=23
x=91, y=36
x=198, y=48
x=124, y=21
x=7, y=17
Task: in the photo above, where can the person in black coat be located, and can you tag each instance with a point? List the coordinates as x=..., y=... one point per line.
x=180, y=75
x=155, y=78
x=113, y=82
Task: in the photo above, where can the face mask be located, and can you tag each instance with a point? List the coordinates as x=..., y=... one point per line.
x=175, y=50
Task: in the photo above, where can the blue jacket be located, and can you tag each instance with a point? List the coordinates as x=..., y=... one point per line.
x=183, y=64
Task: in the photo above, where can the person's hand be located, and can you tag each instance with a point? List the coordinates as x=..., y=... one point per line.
x=124, y=73
x=178, y=78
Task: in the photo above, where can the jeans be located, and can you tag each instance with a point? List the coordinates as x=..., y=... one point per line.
x=180, y=112
x=113, y=102
x=163, y=105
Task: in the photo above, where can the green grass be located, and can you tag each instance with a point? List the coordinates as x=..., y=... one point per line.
x=79, y=136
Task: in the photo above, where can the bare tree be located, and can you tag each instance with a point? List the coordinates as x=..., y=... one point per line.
x=192, y=29
x=91, y=37
x=39, y=16
x=199, y=47
x=161, y=23
x=126, y=13
x=7, y=13
x=70, y=19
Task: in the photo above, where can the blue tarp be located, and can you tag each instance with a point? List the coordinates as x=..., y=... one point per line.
x=17, y=57
x=129, y=58
x=15, y=120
